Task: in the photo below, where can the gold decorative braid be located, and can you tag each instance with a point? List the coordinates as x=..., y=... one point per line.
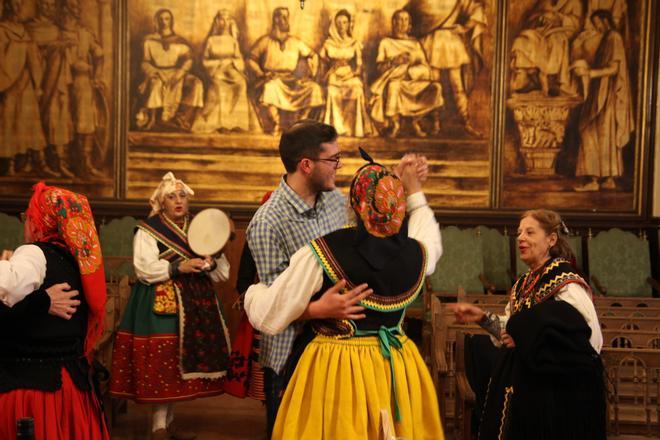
x=325, y=263
x=181, y=232
x=168, y=255
x=376, y=302
x=547, y=285
x=170, y=244
x=508, y=391
x=334, y=328
x=483, y=409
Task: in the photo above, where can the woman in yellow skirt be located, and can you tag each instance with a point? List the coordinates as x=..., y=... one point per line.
x=355, y=376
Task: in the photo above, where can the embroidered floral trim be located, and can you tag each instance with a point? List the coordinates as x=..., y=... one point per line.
x=165, y=298
x=379, y=200
x=86, y=246
x=532, y=289
x=377, y=302
x=158, y=236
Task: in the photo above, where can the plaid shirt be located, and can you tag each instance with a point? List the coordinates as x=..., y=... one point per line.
x=278, y=229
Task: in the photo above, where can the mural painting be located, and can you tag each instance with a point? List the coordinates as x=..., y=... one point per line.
x=211, y=90
x=56, y=116
x=572, y=132
x=547, y=107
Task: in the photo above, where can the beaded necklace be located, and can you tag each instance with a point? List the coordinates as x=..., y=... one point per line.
x=530, y=281
x=527, y=286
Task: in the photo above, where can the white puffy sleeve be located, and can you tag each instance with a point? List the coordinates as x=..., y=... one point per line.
x=22, y=274
x=221, y=272
x=272, y=309
x=577, y=296
x=148, y=267
x=423, y=227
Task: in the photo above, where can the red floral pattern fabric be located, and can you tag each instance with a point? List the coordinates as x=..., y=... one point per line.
x=155, y=377
x=378, y=198
x=58, y=215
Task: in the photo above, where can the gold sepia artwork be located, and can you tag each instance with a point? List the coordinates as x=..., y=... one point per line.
x=573, y=108
x=212, y=86
x=56, y=91
x=545, y=107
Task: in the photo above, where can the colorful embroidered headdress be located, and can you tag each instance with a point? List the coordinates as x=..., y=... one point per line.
x=58, y=215
x=378, y=199
x=166, y=186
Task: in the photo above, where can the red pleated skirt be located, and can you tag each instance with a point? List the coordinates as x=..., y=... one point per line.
x=65, y=414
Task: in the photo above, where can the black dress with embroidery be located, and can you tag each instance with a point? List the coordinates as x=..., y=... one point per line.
x=550, y=386
x=396, y=281
x=34, y=346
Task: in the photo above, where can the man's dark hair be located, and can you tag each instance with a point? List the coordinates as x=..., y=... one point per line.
x=304, y=139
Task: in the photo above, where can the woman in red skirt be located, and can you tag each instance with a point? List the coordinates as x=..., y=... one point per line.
x=172, y=343
x=52, y=303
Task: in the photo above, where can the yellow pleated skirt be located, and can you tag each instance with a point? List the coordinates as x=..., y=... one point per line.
x=340, y=386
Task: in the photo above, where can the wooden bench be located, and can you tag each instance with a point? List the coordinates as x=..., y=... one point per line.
x=631, y=339
x=612, y=301
x=633, y=379
x=628, y=323
x=630, y=312
x=438, y=361
x=118, y=293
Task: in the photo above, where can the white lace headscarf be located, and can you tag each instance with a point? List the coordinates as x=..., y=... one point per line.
x=166, y=186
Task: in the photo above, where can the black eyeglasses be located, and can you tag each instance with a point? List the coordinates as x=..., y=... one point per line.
x=336, y=160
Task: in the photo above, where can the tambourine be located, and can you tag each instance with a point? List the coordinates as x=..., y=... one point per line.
x=209, y=232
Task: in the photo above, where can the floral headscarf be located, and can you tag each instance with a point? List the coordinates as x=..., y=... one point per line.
x=378, y=199
x=166, y=186
x=58, y=215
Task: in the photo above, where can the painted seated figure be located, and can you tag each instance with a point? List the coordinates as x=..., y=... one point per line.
x=405, y=87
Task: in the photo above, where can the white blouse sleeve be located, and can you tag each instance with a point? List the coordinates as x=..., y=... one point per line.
x=575, y=295
x=221, y=272
x=272, y=309
x=148, y=267
x=423, y=227
x=22, y=274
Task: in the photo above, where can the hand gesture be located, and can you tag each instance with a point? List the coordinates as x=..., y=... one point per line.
x=466, y=312
x=406, y=160
x=334, y=304
x=418, y=161
x=507, y=340
x=422, y=168
x=209, y=263
x=6, y=254
x=194, y=265
x=62, y=303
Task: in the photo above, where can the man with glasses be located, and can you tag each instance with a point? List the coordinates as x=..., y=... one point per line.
x=306, y=205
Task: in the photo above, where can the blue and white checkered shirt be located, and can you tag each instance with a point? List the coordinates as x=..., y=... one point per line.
x=284, y=224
